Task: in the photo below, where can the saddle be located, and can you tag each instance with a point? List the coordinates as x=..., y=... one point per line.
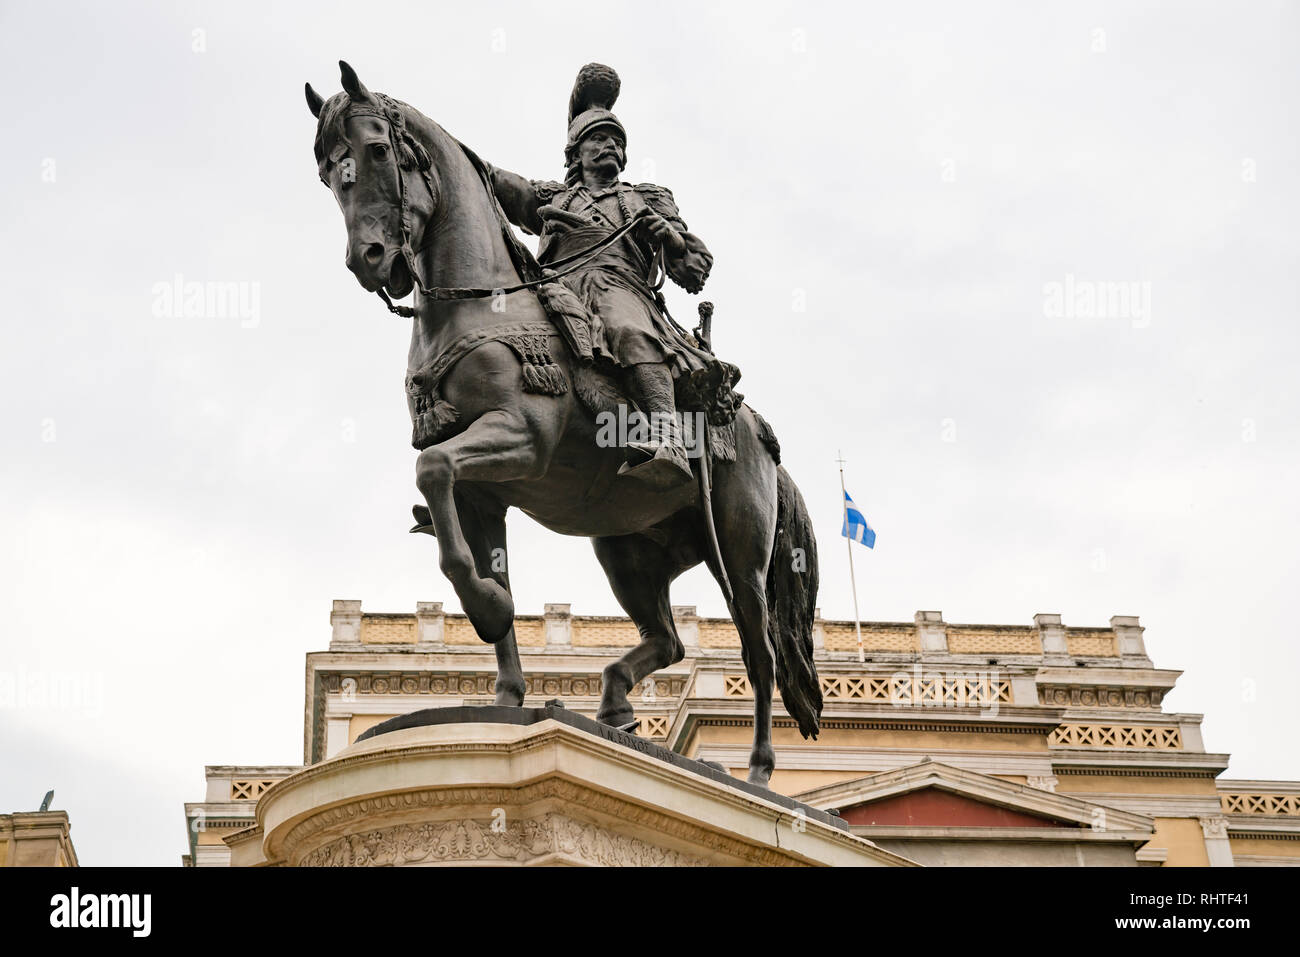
x=709, y=389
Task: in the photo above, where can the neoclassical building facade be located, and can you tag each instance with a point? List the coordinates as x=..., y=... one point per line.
x=1036, y=744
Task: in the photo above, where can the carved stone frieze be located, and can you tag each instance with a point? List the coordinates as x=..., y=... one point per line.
x=300, y=843
x=1089, y=696
x=461, y=683
x=501, y=840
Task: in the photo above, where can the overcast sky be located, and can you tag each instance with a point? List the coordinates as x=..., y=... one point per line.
x=891, y=192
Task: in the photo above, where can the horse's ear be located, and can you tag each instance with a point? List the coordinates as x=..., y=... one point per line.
x=355, y=89
x=314, y=101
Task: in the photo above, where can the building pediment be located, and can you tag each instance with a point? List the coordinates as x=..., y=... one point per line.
x=934, y=795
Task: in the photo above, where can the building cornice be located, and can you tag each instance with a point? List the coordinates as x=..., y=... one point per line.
x=1047, y=835
x=1166, y=764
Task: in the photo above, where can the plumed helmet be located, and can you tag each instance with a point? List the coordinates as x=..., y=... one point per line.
x=594, y=93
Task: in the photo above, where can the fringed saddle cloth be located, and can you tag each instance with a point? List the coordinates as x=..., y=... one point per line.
x=432, y=416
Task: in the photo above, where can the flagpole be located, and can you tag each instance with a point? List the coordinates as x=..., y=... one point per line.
x=848, y=542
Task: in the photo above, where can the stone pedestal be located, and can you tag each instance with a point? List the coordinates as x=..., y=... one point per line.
x=531, y=786
x=36, y=839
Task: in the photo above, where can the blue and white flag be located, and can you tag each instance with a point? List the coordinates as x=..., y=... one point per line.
x=855, y=525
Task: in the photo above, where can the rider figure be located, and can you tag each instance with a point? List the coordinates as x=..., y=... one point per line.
x=617, y=287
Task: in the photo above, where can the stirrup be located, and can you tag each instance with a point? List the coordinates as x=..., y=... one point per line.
x=668, y=468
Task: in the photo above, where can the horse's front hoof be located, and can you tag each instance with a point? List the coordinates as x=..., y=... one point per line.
x=509, y=697
x=617, y=719
x=761, y=762
x=759, y=776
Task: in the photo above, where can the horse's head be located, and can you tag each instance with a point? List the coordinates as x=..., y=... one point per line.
x=381, y=176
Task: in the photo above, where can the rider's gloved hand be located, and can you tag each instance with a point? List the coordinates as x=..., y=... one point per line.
x=662, y=233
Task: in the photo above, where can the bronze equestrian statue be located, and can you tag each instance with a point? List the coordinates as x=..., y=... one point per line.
x=617, y=287
x=519, y=364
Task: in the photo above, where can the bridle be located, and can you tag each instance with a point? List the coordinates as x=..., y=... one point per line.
x=407, y=152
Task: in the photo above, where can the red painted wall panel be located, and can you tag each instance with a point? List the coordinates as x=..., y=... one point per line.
x=931, y=807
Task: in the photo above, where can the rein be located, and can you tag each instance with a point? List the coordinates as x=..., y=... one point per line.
x=450, y=293
x=403, y=145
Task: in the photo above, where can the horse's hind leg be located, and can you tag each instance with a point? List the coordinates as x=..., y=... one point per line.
x=484, y=524
x=744, y=509
x=749, y=612
x=639, y=572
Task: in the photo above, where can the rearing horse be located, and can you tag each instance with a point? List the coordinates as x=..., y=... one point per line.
x=419, y=216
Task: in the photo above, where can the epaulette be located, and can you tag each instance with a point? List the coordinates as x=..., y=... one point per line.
x=659, y=198
x=653, y=189
x=547, y=189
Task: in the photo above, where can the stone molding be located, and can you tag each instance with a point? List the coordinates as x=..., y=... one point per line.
x=902, y=718
x=809, y=757
x=455, y=683
x=1130, y=771
x=550, y=838
x=1262, y=834
x=1261, y=860
x=1152, y=856
x=1156, y=805
x=1100, y=696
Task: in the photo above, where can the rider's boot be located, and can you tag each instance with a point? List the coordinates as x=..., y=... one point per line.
x=661, y=461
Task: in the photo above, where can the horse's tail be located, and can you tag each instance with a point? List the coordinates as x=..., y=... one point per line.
x=791, y=600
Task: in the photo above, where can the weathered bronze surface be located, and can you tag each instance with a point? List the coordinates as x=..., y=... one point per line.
x=560, y=385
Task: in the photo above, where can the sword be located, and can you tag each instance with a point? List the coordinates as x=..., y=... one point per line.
x=703, y=335
x=704, y=331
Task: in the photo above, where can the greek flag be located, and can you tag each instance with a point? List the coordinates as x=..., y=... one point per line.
x=855, y=525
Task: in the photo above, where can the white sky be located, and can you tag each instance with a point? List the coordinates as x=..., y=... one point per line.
x=180, y=498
